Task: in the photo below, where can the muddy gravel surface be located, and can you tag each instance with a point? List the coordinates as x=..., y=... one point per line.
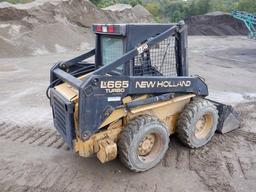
x=34, y=158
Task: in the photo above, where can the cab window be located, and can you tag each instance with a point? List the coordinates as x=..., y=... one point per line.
x=112, y=48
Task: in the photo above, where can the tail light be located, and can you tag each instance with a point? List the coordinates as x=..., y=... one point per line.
x=105, y=28
x=111, y=29
x=99, y=28
x=115, y=29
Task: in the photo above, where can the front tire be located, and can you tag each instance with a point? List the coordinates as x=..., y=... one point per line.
x=143, y=143
x=197, y=123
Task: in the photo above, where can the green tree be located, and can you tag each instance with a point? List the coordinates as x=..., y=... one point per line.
x=247, y=5
x=153, y=8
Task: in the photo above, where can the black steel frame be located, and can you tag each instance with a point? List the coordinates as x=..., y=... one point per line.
x=94, y=100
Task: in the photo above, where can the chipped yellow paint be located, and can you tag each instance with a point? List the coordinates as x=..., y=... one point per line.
x=92, y=145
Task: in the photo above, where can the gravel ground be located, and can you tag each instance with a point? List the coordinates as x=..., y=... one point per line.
x=34, y=158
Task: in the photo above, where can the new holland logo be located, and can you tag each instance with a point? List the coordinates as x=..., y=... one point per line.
x=162, y=84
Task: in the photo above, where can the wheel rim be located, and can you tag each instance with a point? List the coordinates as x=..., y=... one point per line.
x=203, y=126
x=149, y=147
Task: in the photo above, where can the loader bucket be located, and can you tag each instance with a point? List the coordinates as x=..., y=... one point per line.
x=229, y=119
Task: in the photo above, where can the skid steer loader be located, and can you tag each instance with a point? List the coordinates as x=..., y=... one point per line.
x=128, y=95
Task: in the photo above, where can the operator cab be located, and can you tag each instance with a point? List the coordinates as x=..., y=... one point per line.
x=114, y=40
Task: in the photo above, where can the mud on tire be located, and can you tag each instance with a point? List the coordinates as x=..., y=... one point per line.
x=131, y=151
x=197, y=123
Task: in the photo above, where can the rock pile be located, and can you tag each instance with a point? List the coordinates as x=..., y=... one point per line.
x=215, y=24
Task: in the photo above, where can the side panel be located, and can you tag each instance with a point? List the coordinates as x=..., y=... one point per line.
x=101, y=95
x=167, y=112
x=122, y=85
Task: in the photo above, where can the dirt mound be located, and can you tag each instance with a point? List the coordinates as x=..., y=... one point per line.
x=126, y=13
x=217, y=23
x=48, y=26
x=117, y=7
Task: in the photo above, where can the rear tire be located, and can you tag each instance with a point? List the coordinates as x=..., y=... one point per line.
x=143, y=143
x=197, y=123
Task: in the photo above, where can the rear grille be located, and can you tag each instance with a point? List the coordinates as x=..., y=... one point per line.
x=63, y=116
x=59, y=114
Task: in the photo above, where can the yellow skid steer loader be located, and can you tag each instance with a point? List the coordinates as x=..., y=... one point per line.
x=133, y=96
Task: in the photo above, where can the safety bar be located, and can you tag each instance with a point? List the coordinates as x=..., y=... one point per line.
x=73, y=81
x=67, y=78
x=75, y=60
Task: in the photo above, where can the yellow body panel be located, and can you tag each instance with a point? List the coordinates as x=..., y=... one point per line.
x=115, y=115
x=69, y=92
x=167, y=111
x=92, y=145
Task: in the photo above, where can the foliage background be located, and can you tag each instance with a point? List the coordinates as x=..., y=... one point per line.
x=175, y=10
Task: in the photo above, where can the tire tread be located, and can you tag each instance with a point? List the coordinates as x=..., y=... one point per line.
x=127, y=136
x=184, y=122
